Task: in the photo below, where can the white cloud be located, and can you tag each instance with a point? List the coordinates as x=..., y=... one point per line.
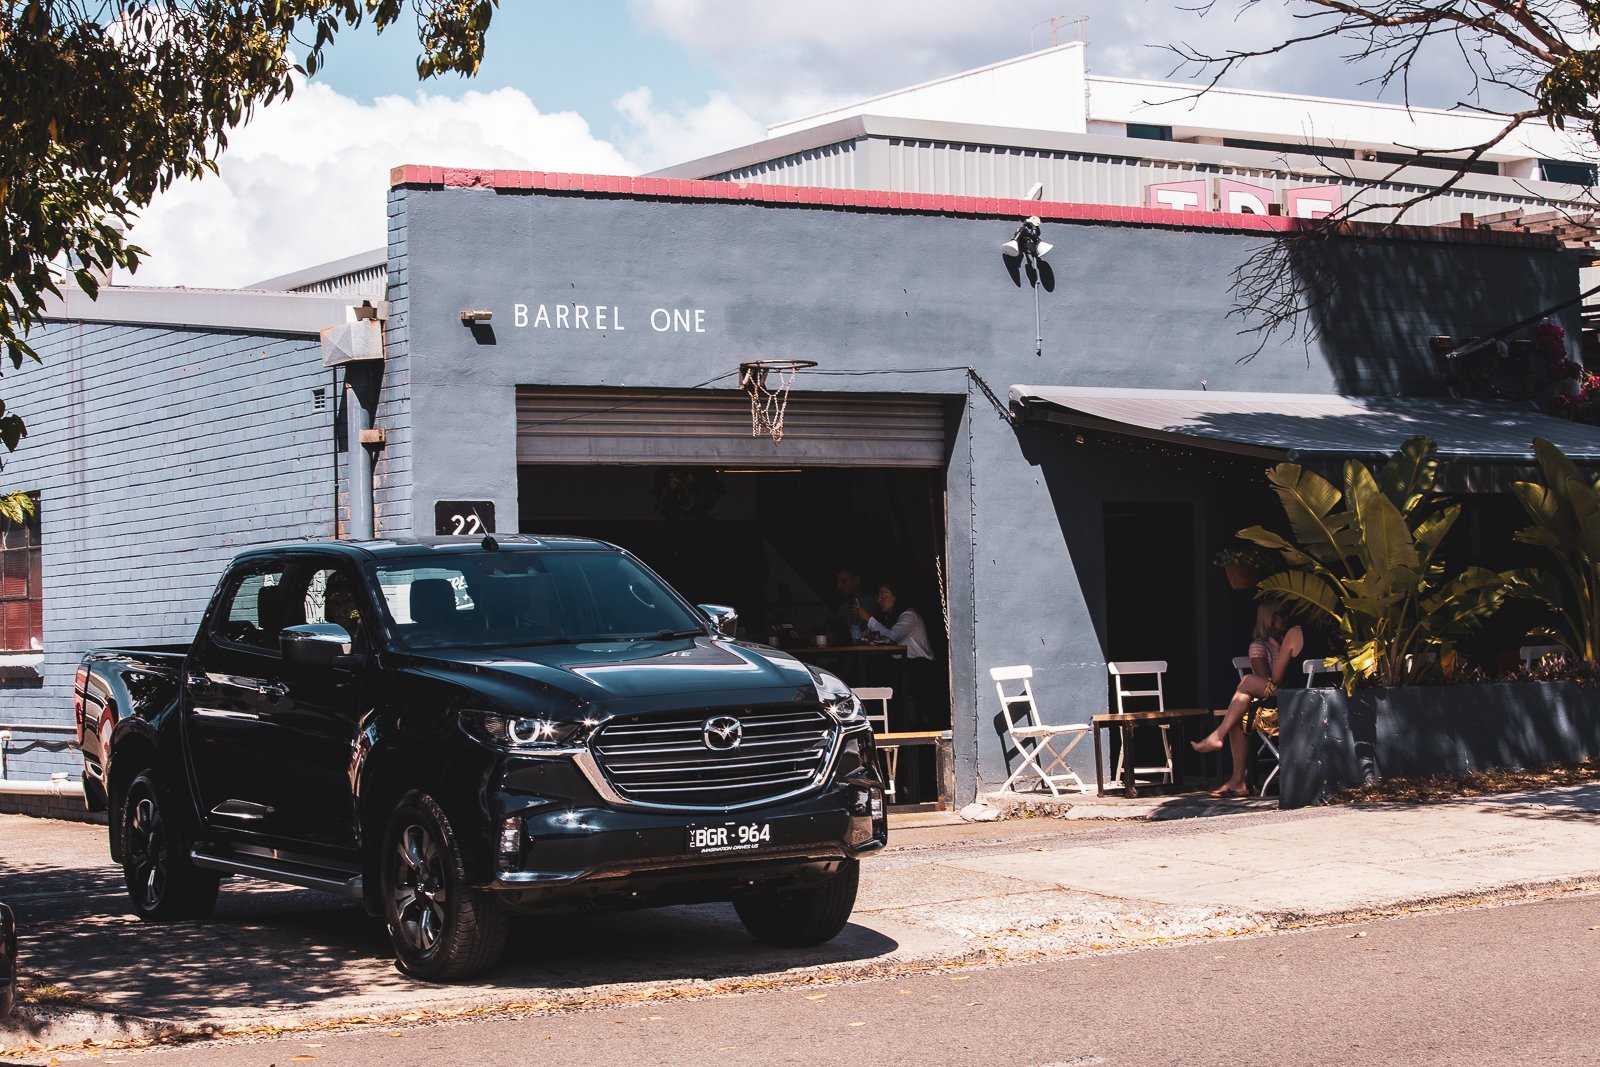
x=662, y=136
x=306, y=180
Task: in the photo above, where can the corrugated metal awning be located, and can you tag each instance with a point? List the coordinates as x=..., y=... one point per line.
x=1310, y=426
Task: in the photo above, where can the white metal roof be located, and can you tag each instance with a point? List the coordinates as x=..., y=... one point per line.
x=1310, y=425
x=242, y=310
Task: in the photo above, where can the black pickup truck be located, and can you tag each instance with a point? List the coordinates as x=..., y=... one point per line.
x=452, y=730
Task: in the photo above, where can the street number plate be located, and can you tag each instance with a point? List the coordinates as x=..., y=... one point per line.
x=729, y=837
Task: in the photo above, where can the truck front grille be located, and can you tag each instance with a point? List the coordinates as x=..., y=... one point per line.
x=666, y=758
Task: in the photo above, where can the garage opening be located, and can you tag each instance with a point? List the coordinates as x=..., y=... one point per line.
x=857, y=484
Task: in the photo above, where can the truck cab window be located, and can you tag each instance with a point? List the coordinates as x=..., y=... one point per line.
x=252, y=613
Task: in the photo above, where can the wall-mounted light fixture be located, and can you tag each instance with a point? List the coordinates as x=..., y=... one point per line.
x=1027, y=242
x=473, y=316
x=1029, y=245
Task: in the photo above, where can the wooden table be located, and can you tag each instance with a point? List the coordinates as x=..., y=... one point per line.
x=1128, y=722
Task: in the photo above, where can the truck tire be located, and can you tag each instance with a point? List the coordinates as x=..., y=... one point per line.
x=163, y=884
x=800, y=918
x=442, y=930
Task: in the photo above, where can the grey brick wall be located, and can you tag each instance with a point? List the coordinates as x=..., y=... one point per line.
x=158, y=453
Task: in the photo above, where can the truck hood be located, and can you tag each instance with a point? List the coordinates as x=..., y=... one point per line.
x=596, y=677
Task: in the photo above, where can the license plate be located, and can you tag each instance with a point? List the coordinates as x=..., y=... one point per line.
x=730, y=837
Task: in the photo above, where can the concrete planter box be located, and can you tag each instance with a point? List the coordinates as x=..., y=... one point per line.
x=1330, y=741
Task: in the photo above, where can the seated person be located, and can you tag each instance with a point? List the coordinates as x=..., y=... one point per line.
x=848, y=583
x=1273, y=647
x=897, y=623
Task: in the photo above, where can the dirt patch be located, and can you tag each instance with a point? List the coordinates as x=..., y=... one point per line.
x=1476, y=784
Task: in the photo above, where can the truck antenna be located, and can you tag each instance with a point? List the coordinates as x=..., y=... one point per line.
x=490, y=544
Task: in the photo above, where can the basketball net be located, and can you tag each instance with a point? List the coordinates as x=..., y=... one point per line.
x=767, y=401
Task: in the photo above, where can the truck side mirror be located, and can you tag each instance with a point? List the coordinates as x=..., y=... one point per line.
x=314, y=644
x=725, y=619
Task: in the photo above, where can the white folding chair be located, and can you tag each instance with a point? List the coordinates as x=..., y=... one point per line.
x=1035, y=740
x=1145, y=668
x=1533, y=654
x=880, y=725
x=1318, y=668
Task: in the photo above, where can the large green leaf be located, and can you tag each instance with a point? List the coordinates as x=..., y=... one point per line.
x=1386, y=545
x=1584, y=502
x=1430, y=532
x=1308, y=500
x=1465, y=601
x=1306, y=591
x=1267, y=539
x=1548, y=510
x=1410, y=474
x=1554, y=464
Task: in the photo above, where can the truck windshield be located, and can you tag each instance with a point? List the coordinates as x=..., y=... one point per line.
x=504, y=599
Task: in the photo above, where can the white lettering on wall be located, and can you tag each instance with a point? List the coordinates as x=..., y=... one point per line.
x=604, y=317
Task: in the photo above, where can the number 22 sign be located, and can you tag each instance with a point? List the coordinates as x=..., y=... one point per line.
x=463, y=518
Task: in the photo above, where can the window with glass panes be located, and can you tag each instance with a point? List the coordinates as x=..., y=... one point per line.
x=21, y=600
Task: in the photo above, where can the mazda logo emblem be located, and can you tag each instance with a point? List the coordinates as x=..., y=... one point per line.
x=722, y=733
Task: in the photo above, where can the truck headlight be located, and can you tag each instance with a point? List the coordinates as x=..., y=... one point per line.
x=837, y=699
x=524, y=733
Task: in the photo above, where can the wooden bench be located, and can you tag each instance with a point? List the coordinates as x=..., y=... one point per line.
x=942, y=742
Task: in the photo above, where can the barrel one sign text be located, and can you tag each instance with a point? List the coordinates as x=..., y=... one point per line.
x=1241, y=198
x=607, y=317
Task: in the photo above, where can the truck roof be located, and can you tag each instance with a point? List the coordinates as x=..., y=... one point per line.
x=409, y=546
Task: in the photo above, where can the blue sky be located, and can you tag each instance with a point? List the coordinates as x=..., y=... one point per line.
x=576, y=57
x=628, y=86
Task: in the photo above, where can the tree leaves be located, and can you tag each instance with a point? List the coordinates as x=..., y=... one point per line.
x=1565, y=512
x=104, y=105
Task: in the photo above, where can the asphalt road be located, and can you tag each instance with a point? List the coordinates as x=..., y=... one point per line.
x=1492, y=985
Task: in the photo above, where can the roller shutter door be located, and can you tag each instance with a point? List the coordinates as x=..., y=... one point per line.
x=713, y=427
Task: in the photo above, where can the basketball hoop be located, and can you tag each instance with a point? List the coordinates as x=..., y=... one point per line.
x=768, y=396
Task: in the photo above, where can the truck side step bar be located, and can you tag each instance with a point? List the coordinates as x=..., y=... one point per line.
x=327, y=879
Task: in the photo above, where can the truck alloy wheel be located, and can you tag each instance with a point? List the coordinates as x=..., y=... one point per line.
x=162, y=883
x=442, y=930
x=419, y=892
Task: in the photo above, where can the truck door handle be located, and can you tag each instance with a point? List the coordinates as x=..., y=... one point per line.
x=198, y=682
x=273, y=690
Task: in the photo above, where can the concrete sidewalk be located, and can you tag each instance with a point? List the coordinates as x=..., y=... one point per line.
x=941, y=896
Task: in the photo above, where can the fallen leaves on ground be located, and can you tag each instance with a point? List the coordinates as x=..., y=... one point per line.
x=1476, y=784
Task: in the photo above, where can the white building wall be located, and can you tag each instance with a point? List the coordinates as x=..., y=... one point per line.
x=1041, y=91
x=1351, y=124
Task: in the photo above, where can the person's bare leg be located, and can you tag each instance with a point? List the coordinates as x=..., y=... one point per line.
x=1250, y=687
x=1238, y=753
x=1239, y=749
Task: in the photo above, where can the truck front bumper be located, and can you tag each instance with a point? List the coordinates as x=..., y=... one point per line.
x=598, y=856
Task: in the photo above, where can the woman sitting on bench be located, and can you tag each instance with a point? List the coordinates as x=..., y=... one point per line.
x=1274, y=645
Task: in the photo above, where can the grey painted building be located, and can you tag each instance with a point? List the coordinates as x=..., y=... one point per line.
x=601, y=396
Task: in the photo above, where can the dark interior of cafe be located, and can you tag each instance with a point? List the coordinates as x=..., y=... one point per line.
x=770, y=543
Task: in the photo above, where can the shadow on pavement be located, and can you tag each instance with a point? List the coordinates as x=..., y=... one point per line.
x=269, y=950
x=1581, y=804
